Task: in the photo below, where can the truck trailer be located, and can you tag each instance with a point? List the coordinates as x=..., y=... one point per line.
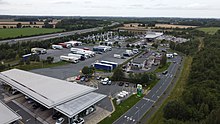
x=103, y=66
x=80, y=57
x=114, y=64
x=69, y=59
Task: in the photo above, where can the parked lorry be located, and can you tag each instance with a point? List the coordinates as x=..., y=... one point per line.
x=103, y=66
x=114, y=64
x=59, y=47
x=80, y=57
x=69, y=59
x=39, y=50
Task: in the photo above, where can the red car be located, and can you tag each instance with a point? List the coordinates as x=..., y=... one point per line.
x=78, y=77
x=86, y=48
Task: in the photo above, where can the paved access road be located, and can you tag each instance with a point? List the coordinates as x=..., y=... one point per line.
x=134, y=114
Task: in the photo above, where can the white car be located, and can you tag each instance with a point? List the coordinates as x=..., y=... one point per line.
x=79, y=121
x=60, y=121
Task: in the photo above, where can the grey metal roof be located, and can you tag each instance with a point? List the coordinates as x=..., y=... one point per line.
x=48, y=91
x=78, y=105
x=7, y=115
x=152, y=35
x=139, y=60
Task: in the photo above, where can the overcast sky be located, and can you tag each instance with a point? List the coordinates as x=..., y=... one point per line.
x=131, y=8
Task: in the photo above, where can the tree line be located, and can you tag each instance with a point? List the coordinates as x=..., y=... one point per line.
x=200, y=101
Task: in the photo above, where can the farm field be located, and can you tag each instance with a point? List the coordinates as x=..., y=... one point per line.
x=209, y=30
x=21, y=32
x=173, y=26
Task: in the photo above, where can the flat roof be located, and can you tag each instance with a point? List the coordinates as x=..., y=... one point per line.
x=7, y=115
x=78, y=105
x=153, y=35
x=48, y=91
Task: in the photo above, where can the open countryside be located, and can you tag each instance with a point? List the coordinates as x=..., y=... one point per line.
x=22, y=32
x=209, y=30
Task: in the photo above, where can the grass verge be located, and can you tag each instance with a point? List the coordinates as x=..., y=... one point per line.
x=163, y=68
x=39, y=65
x=121, y=109
x=157, y=117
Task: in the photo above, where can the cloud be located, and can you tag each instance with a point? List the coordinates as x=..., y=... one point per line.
x=193, y=6
x=3, y=2
x=63, y=2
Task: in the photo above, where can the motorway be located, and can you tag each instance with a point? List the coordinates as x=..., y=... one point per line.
x=55, y=35
x=134, y=114
x=51, y=36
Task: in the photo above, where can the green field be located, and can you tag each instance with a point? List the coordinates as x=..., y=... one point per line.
x=21, y=32
x=209, y=30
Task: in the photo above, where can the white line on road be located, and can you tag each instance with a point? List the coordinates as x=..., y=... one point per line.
x=143, y=105
x=153, y=96
x=157, y=91
x=136, y=112
x=148, y=99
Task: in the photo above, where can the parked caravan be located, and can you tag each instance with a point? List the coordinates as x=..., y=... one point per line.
x=59, y=47
x=39, y=50
x=69, y=59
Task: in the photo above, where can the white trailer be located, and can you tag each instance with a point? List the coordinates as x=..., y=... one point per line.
x=59, y=47
x=117, y=56
x=75, y=55
x=39, y=50
x=69, y=59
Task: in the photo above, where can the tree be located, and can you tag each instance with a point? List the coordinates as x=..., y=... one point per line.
x=144, y=79
x=176, y=110
x=138, y=46
x=155, y=45
x=19, y=25
x=88, y=71
x=118, y=75
x=163, y=61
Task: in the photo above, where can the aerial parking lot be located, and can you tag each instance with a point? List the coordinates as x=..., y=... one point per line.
x=70, y=70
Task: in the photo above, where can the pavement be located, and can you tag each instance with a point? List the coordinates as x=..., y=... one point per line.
x=134, y=114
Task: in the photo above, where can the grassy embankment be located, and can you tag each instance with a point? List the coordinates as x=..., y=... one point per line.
x=157, y=118
x=121, y=109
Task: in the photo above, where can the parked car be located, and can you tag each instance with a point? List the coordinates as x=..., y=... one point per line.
x=79, y=121
x=57, y=115
x=30, y=101
x=126, y=84
x=60, y=120
x=82, y=78
x=78, y=77
x=98, y=77
x=165, y=72
x=121, y=84
x=35, y=105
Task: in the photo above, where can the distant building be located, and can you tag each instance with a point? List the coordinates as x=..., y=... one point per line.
x=151, y=36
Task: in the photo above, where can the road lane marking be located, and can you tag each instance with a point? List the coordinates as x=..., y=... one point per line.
x=143, y=105
x=153, y=96
x=157, y=91
x=148, y=99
